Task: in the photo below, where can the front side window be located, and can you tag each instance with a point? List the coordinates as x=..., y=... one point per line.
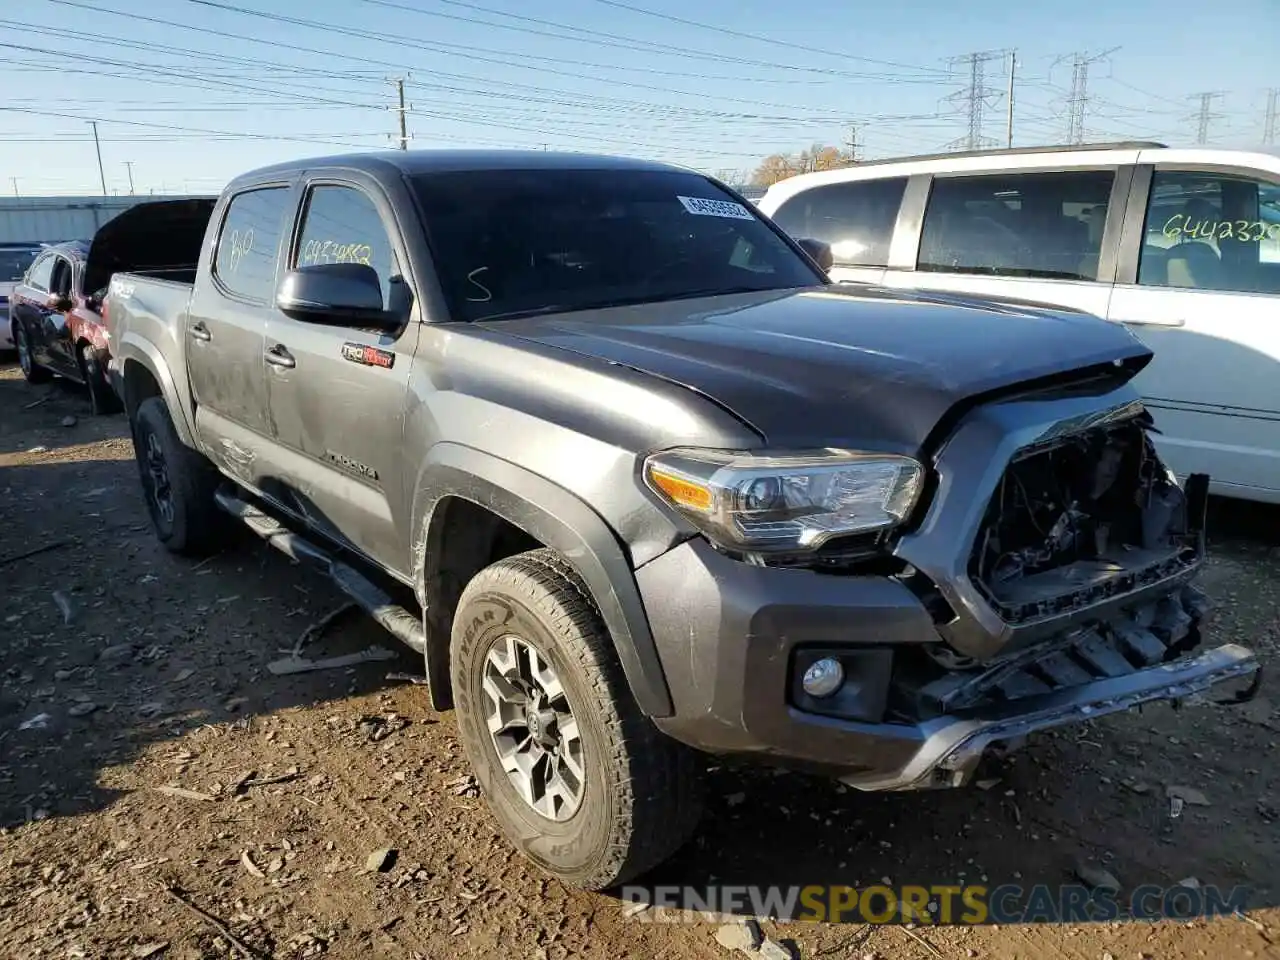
x=508, y=242
x=41, y=274
x=1046, y=225
x=856, y=219
x=245, y=263
x=342, y=225
x=1210, y=231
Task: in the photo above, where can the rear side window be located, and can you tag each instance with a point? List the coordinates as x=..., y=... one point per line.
x=245, y=263
x=856, y=219
x=41, y=272
x=342, y=225
x=1017, y=225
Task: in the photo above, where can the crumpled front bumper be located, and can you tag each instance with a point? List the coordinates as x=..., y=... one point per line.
x=951, y=747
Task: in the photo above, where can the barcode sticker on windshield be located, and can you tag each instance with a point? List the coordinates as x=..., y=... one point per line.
x=715, y=208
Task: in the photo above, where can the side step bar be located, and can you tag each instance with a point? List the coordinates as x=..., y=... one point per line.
x=400, y=622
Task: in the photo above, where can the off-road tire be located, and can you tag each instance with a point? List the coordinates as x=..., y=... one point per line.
x=197, y=526
x=102, y=398
x=642, y=798
x=32, y=372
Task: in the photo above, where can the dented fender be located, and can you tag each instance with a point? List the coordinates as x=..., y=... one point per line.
x=562, y=521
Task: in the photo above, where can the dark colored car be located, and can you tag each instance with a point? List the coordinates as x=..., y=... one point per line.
x=55, y=318
x=658, y=487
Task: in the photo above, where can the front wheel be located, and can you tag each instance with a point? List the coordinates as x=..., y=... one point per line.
x=177, y=482
x=31, y=371
x=580, y=781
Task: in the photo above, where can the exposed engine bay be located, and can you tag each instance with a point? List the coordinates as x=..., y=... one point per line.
x=1077, y=519
x=1081, y=518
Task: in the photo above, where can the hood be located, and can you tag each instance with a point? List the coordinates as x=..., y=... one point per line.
x=860, y=367
x=157, y=235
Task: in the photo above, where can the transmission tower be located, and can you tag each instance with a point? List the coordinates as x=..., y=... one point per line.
x=1269, y=125
x=1205, y=116
x=976, y=97
x=1078, y=101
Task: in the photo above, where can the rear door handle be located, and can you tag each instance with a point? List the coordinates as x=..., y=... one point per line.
x=199, y=331
x=1162, y=322
x=279, y=356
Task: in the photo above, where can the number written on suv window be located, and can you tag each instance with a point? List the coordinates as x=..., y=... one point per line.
x=247, y=245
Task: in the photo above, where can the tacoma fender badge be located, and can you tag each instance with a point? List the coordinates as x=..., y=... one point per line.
x=355, y=466
x=368, y=356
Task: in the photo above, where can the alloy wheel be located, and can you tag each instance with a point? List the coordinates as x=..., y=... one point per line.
x=533, y=729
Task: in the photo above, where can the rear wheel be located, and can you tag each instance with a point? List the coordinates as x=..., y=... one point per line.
x=101, y=397
x=580, y=781
x=32, y=371
x=177, y=482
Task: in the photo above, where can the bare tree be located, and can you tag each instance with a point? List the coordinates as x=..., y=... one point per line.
x=780, y=166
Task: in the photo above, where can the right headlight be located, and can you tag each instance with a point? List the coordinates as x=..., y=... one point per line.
x=785, y=502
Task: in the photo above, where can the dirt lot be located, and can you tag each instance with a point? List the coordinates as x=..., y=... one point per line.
x=135, y=672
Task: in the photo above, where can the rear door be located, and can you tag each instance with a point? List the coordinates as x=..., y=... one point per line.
x=338, y=393
x=1047, y=236
x=226, y=327
x=855, y=217
x=1200, y=285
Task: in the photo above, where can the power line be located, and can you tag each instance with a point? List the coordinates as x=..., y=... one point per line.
x=976, y=96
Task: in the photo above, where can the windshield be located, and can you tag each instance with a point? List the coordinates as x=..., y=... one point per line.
x=14, y=262
x=510, y=242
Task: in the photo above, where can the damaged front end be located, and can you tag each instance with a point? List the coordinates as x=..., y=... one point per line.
x=1076, y=602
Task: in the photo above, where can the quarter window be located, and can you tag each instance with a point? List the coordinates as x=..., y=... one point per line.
x=245, y=263
x=856, y=219
x=342, y=225
x=1017, y=225
x=1207, y=231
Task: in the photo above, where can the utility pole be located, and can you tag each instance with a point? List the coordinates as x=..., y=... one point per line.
x=976, y=97
x=1078, y=101
x=1205, y=115
x=129, y=166
x=1008, y=130
x=1269, y=126
x=98, y=147
x=14, y=181
x=853, y=143
x=403, y=111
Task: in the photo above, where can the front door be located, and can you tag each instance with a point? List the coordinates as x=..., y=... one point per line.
x=226, y=327
x=1207, y=302
x=338, y=394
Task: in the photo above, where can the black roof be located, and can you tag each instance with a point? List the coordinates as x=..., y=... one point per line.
x=411, y=162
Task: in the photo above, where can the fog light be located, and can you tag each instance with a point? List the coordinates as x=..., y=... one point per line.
x=823, y=678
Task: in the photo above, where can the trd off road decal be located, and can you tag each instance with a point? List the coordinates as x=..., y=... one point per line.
x=369, y=356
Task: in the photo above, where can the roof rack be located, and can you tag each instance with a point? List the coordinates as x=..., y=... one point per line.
x=998, y=151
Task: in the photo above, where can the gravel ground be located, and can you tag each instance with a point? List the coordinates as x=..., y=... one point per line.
x=179, y=801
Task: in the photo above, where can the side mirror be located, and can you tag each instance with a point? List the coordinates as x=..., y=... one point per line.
x=59, y=302
x=335, y=293
x=819, y=252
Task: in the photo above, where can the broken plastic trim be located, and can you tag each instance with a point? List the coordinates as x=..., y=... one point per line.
x=952, y=746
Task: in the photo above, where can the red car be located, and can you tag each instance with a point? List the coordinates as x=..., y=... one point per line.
x=55, y=311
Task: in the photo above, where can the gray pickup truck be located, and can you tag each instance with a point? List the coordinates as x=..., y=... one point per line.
x=605, y=446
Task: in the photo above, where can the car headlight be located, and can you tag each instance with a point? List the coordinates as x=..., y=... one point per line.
x=780, y=502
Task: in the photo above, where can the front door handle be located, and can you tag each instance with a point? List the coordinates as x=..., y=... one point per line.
x=279, y=356
x=200, y=332
x=1156, y=322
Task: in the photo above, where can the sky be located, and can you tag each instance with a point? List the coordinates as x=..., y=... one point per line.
x=188, y=93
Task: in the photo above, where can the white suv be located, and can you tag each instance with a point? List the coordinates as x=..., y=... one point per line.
x=1180, y=245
